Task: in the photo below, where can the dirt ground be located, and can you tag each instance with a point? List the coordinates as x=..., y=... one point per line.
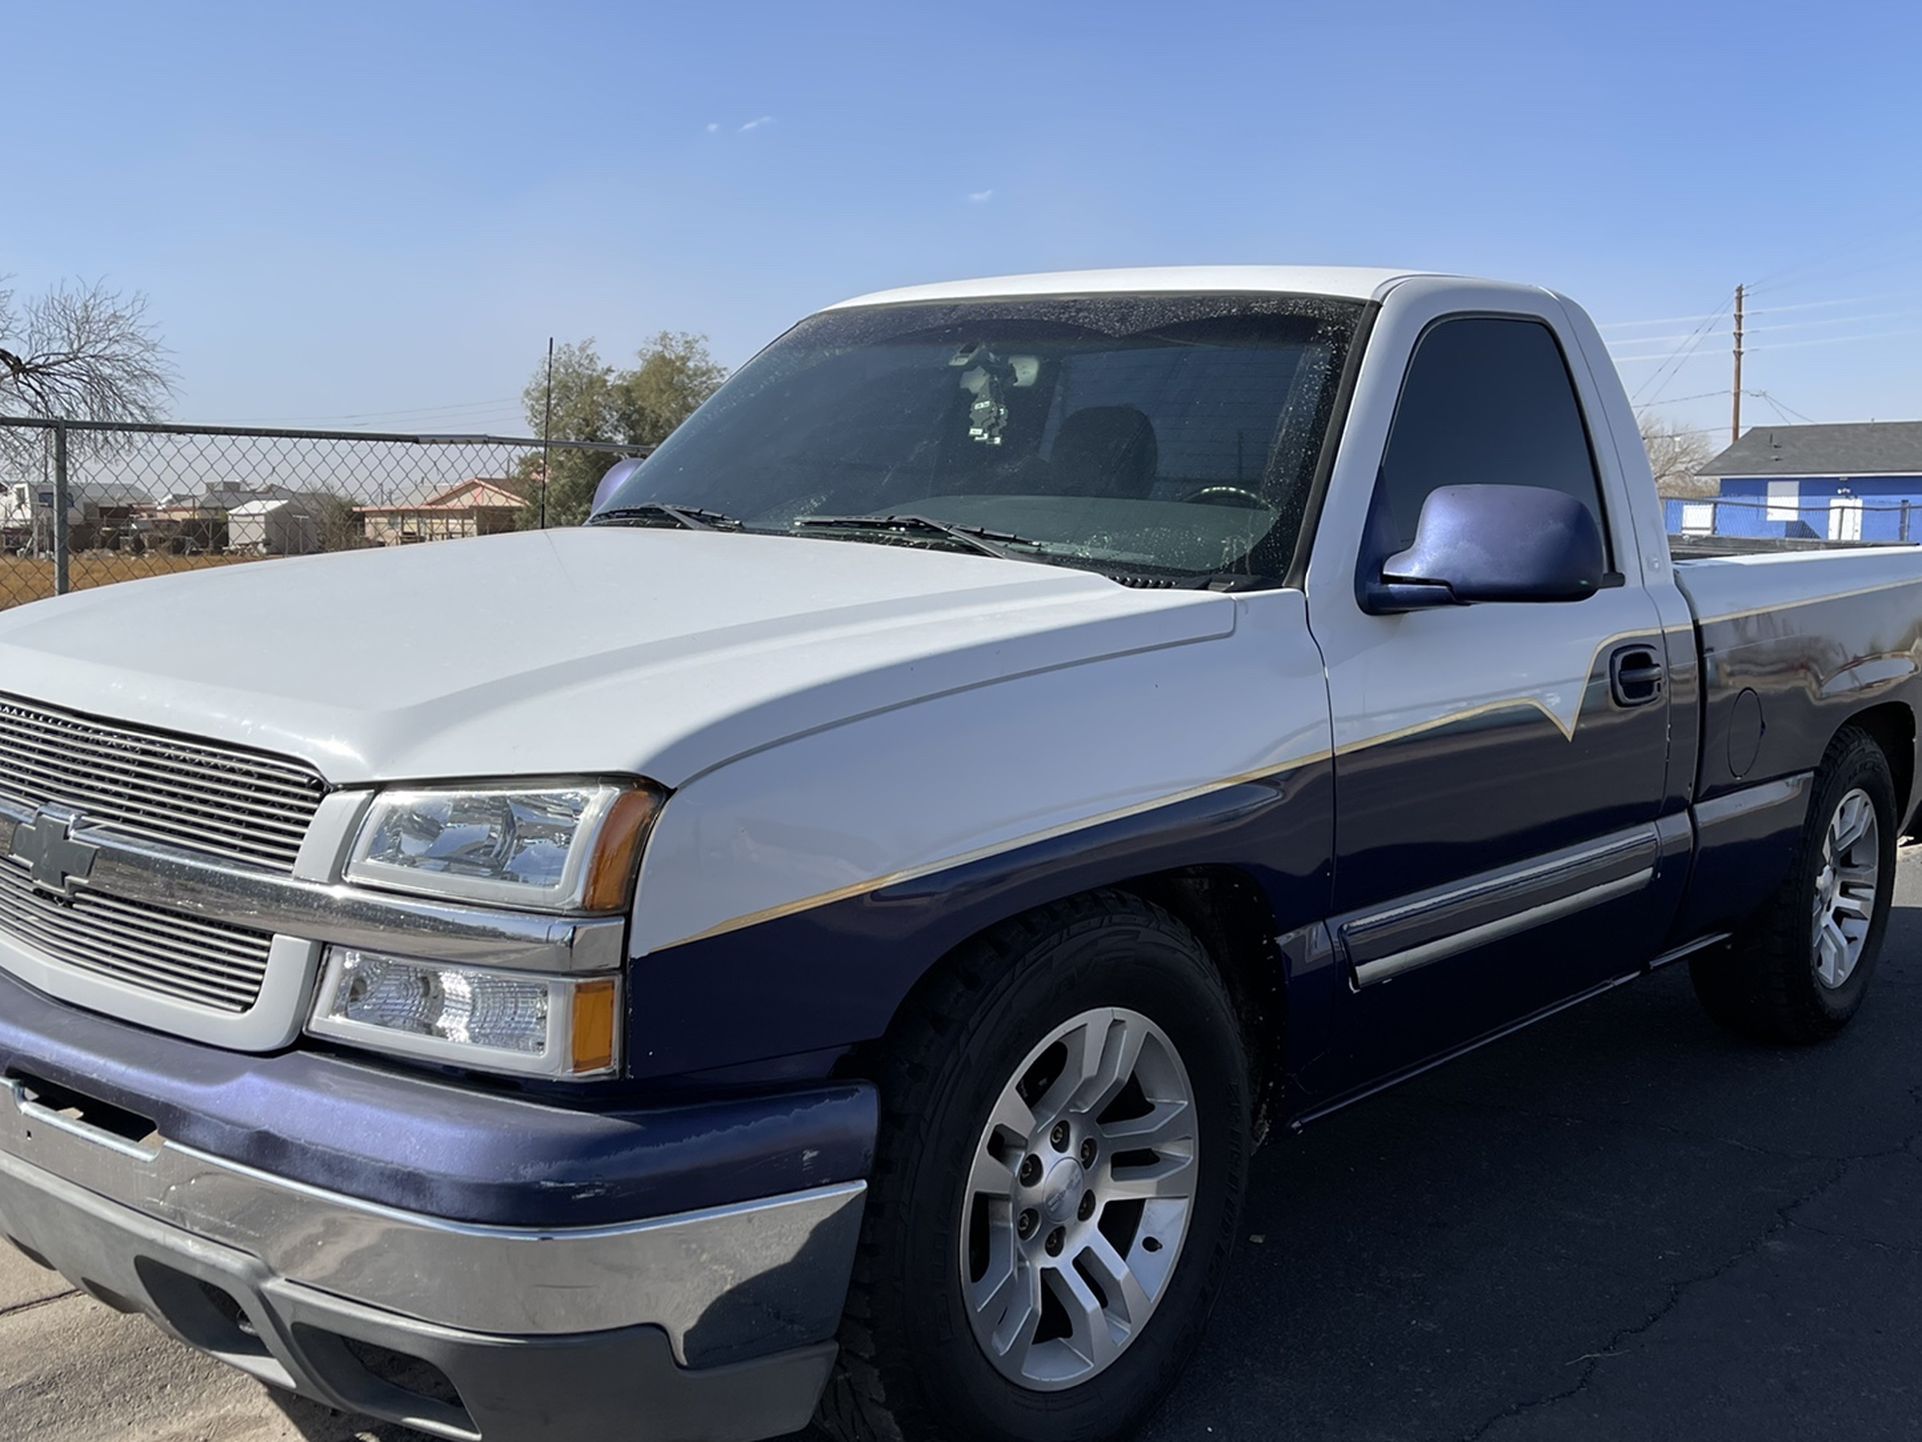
x=24, y=580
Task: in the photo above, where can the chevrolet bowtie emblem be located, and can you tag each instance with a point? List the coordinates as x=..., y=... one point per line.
x=46, y=844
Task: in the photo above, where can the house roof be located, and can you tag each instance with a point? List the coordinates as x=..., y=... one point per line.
x=482, y=491
x=1860, y=448
x=473, y=494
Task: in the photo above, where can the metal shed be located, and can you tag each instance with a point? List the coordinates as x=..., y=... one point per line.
x=279, y=526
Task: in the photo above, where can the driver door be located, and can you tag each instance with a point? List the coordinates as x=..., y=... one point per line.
x=1496, y=799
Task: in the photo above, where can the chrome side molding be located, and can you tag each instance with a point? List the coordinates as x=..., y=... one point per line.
x=1413, y=932
x=1398, y=962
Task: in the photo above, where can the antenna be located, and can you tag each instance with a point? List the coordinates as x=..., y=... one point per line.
x=547, y=425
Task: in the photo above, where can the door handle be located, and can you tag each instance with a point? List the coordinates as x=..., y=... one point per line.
x=1635, y=676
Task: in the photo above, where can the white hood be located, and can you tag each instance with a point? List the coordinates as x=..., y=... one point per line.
x=609, y=650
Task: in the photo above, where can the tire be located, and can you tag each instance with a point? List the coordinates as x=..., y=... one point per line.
x=1776, y=983
x=915, y=1367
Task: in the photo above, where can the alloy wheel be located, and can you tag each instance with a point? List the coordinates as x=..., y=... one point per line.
x=1845, y=888
x=1078, y=1199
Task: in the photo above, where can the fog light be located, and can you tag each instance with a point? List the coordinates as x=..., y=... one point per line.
x=470, y=1016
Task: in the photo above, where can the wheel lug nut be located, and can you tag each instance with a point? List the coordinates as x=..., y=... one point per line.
x=1025, y=1224
x=1059, y=1136
x=1055, y=1240
x=1030, y=1170
x=1087, y=1152
x=1087, y=1205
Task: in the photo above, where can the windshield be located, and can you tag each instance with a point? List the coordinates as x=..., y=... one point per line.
x=1149, y=435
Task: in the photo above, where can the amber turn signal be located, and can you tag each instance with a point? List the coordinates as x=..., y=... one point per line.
x=617, y=849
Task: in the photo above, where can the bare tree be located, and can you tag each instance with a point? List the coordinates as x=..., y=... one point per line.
x=81, y=352
x=1676, y=456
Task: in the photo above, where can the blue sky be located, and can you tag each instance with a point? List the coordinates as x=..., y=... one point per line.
x=374, y=215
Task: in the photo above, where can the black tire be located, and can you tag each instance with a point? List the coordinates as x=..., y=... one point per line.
x=911, y=1369
x=1765, y=986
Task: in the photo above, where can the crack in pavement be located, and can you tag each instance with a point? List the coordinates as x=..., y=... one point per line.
x=1899, y=1248
x=1679, y=1290
x=19, y=1307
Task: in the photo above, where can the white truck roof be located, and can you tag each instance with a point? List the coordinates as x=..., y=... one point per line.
x=1353, y=282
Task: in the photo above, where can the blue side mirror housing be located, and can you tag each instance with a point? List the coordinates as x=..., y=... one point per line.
x=1493, y=543
x=616, y=477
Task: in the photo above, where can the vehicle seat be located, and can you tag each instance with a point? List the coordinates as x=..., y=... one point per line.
x=1105, y=451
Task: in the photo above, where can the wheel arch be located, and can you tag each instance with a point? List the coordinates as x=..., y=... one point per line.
x=1226, y=909
x=1891, y=725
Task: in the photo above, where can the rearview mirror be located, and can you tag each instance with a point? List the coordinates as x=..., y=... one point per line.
x=1493, y=543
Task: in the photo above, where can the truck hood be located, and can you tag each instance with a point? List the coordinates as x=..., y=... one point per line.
x=664, y=653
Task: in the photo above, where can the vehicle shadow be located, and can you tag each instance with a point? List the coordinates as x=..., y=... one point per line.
x=1464, y=1251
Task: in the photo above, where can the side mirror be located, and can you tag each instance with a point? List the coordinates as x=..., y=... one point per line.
x=615, y=478
x=1492, y=543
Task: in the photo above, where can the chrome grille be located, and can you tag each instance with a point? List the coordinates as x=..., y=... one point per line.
x=184, y=958
x=241, y=805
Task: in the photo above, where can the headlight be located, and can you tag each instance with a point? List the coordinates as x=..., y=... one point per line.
x=557, y=847
x=469, y=1016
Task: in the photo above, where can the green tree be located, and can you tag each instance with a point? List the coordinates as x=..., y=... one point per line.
x=593, y=401
x=674, y=375
x=336, y=522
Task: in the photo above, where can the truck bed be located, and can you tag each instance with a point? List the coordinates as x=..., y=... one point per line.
x=1696, y=548
x=1791, y=643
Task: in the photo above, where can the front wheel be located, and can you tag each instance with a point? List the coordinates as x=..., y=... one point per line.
x=1802, y=969
x=1064, y=1146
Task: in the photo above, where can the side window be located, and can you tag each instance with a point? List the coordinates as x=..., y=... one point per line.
x=1486, y=401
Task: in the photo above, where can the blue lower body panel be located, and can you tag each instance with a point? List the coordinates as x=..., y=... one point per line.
x=425, y=1145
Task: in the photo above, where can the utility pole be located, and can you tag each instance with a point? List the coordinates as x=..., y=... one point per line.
x=1735, y=394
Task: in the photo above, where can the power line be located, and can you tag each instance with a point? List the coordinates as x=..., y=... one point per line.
x=1699, y=396
x=1839, y=320
x=1844, y=300
x=1786, y=409
x=1655, y=339
x=1839, y=339
x=1872, y=315
x=1659, y=320
x=1753, y=310
x=1672, y=367
x=1664, y=355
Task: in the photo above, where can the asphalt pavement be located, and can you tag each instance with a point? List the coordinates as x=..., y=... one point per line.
x=1622, y=1224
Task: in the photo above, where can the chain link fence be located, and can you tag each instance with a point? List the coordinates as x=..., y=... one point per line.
x=1837, y=520
x=85, y=503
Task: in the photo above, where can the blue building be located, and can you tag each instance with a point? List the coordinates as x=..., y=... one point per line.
x=1856, y=482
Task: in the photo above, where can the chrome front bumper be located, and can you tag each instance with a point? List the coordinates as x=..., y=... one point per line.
x=672, y=1315
x=779, y=1266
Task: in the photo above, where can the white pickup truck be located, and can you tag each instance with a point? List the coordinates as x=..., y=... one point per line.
x=825, y=937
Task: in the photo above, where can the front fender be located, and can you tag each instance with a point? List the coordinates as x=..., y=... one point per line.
x=790, y=900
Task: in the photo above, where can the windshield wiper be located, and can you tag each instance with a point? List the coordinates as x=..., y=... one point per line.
x=971, y=538
x=688, y=518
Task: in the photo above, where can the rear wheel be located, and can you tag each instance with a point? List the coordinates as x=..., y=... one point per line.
x=1063, y=1150
x=1801, y=971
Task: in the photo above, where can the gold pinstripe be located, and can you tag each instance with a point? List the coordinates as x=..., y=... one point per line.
x=1775, y=606
x=948, y=863
x=1267, y=773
